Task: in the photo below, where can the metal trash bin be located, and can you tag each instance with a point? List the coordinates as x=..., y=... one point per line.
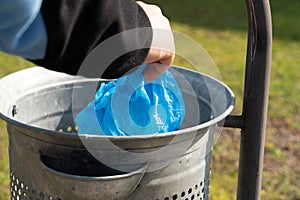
x=48, y=160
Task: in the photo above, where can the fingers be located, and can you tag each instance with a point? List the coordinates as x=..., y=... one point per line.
x=154, y=70
x=167, y=58
x=158, y=62
x=160, y=56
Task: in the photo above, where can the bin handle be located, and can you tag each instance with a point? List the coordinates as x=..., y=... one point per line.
x=114, y=187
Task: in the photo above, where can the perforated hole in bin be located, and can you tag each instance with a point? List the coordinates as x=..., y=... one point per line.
x=21, y=191
x=197, y=192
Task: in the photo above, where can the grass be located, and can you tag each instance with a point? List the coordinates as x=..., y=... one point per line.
x=221, y=28
x=4, y=168
x=8, y=64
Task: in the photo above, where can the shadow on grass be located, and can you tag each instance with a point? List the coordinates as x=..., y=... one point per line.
x=224, y=15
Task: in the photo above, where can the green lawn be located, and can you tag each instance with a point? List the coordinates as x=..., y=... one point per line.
x=221, y=28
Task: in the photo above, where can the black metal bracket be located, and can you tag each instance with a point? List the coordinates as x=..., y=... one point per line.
x=234, y=121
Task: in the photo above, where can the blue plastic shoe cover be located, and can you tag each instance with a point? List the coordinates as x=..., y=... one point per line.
x=133, y=106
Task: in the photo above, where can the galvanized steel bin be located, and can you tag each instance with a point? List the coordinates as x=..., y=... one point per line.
x=49, y=160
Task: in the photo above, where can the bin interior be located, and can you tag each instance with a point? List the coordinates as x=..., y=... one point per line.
x=54, y=106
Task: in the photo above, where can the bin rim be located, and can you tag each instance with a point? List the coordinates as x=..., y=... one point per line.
x=78, y=79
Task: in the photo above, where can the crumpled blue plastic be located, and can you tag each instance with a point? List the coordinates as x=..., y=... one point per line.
x=132, y=106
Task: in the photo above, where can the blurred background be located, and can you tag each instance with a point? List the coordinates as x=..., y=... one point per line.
x=221, y=28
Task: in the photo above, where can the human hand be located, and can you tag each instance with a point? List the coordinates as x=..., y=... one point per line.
x=162, y=50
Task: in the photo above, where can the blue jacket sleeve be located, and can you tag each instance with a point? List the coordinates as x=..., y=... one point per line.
x=22, y=30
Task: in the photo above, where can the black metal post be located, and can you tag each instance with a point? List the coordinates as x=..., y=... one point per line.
x=255, y=105
x=256, y=91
